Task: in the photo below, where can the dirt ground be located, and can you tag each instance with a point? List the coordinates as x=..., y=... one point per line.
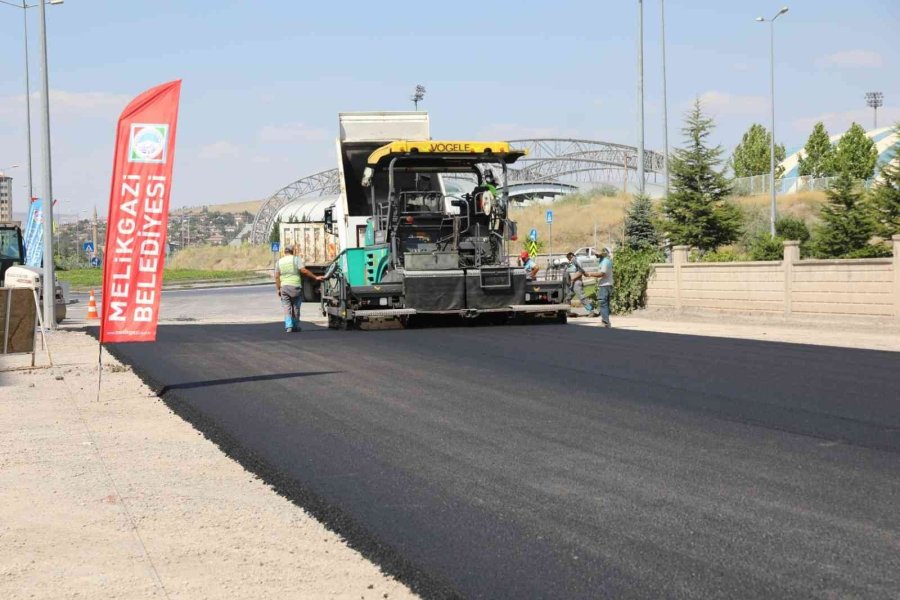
x=117, y=497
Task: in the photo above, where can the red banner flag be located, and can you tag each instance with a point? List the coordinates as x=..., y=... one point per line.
x=138, y=216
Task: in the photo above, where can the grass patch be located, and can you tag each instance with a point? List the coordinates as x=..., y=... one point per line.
x=222, y=258
x=87, y=278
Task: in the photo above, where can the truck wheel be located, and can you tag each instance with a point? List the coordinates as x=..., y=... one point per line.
x=562, y=317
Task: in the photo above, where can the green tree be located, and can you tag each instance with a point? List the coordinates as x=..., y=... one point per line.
x=846, y=224
x=696, y=210
x=817, y=158
x=753, y=155
x=275, y=234
x=856, y=154
x=640, y=230
x=885, y=197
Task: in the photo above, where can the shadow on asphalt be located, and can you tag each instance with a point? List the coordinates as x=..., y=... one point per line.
x=248, y=379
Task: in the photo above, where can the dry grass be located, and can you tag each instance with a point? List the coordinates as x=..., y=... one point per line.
x=222, y=258
x=574, y=217
x=803, y=205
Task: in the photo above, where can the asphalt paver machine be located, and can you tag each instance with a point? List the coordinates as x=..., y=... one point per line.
x=432, y=244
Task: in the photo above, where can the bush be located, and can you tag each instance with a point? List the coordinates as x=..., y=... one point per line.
x=631, y=271
x=871, y=251
x=766, y=247
x=723, y=255
x=792, y=228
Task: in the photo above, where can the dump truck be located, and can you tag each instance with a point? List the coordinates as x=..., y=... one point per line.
x=413, y=242
x=305, y=230
x=15, y=274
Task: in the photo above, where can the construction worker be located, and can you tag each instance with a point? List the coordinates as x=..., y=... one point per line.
x=576, y=281
x=531, y=267
x=490, y=183
x=288, y=270
x=604, y=285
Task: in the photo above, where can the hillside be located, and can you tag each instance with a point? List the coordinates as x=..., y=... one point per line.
x=251, y=206
x=575, y=217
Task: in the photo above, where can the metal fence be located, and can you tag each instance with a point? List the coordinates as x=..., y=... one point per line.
x=759, y=185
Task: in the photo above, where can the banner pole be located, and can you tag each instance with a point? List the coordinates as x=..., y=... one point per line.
x=99, y=367
x=44, y=341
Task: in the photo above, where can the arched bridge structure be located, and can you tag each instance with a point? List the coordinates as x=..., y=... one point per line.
x=554, y=162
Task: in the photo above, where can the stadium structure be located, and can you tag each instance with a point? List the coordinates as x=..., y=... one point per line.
x=553, y=167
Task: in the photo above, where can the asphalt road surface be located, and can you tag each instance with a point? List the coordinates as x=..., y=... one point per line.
x=561, y=461
x=219, y=304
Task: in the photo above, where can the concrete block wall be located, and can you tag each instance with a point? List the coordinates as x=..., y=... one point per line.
x=807, y=288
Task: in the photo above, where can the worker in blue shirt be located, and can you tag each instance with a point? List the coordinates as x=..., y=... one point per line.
x=531, y=267
x=604, y=285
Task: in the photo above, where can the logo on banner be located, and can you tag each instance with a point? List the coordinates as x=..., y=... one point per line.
x=148, y=143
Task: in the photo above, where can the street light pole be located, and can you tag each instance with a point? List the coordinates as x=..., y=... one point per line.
x=772, y=92
x=665, y=107
x=47, y=179
x=640, y=165
x=27, y=103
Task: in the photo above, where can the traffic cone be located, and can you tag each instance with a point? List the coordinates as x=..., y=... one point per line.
x=92, y=307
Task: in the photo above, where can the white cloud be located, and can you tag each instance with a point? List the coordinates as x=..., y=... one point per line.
x=852, y=59
x=220, y=149
x=511, y=131
x=724, y=104
x=101, y=103
x=291, y=132
x=66, y=104
x=839, y=121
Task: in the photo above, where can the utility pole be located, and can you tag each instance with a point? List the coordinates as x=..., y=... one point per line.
x=27, y=105
x=772, y=88
x=665, y=107
x=640, y=166
x=47, y=177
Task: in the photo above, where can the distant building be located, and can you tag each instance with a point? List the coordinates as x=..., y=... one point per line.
x=5, y=198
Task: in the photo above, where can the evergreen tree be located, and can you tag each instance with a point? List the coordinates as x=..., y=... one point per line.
x=640, y=232
x=696, y=210
x=846, y=225
x=753, y=155
x=275, y=234
x=885, y=197
x=792, y=228
x=856, y=154
x=817, y=158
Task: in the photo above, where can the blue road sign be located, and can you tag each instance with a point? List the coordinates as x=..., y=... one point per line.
x=549, y=216
x=533, y=235
x=276, y=246
x=88, y=247
x=95, y=261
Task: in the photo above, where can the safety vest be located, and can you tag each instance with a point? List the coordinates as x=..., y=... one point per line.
x=289, y=268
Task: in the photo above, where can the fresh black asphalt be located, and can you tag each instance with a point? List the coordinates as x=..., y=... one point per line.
x=562, y=461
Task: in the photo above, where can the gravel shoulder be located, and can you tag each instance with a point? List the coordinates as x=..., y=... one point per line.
x=118, y=497
x=860, y=334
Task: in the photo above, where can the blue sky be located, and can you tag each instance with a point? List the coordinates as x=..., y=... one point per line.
x=264, y=80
